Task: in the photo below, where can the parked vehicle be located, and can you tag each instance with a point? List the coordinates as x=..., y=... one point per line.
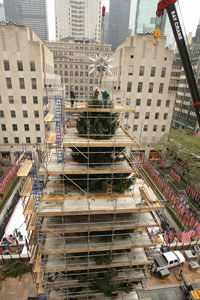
x=168, y=260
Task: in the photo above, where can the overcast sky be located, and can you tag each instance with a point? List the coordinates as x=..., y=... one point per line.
x=190, y=10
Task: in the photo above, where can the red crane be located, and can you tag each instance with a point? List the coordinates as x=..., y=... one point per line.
x=170, y=7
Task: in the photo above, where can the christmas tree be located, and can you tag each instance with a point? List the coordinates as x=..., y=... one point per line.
x=100, y=125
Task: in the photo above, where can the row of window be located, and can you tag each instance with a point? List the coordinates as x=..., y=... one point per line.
x=140, y=87
x=16, y=140
x=21, y=83
x=24, y=113
x=142, y=71
x=81, y=88
x=20, y=66
x=76, y=67
x=74, y=73
x=145, y=128
x=15, y=127
x=23, y=100
x=149, y=102
x=147, y=115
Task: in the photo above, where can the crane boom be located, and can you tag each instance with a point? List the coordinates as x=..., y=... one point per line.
x=169, y=5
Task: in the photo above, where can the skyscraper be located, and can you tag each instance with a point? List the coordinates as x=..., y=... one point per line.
x=78, y=19
x=143, y=18
x=184, y=114
x=2, y=14
x=31, y=13
x=118, y=21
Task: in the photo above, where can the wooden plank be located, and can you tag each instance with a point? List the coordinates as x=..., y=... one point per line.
x=25, y=168
x=49, y=117
x=82, y=172
x=62, y=211
x=37, y=264
x=93, y=267
x=114, y=109
x=51, y=139
x=26, y=188
x=91, y=197
x=31, y=223
x=29, y=206
x=95, y=227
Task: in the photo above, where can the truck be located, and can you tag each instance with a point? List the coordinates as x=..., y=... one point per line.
x=168, y=260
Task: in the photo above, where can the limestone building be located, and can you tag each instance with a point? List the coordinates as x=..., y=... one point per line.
x=141, y=76
x=26, y=66
x=72, y=62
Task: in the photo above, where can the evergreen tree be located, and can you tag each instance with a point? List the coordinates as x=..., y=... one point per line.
x=99, y=125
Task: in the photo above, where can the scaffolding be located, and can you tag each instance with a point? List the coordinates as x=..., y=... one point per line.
x=84, y=234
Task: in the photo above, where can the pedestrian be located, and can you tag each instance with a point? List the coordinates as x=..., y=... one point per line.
x=72, y=98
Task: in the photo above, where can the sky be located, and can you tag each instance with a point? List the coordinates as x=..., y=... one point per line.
x=190, y=11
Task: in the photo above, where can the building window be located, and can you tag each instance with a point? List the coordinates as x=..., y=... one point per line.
x=26, y=127
x=165, y=116
x=129, y=86
x=130, y=70
x=132, y=56
x=19, y=65
x=147, y=115
x=161, y=86
x=25, y=114
x=140, y=85
x=11, y=99
x=156, y=116
x=137, y=114
x=9, y=83
x=14, y=126
x=145, y=128
x=34, y=83
x=38, y=140
x=23, y=99
x=138, y=102
x=149, y=102
x=150, y=87
x=163, y=128
x=141, y=72
x=163, y=72
x=36, y=113
x=158, y=102
x=126, y=114
x=21, y=83
x=1, y=114
x=37, y=127
x=35, y=100
x=0, y=99
x=32, y=66
x=155, y=128
x=6, y=65
x=5, y=140
x=16, y=139
x=13, y=114
x=153, y=71
x=3, y=127
x=167, y=104
x=135, y=127
x=28, y=140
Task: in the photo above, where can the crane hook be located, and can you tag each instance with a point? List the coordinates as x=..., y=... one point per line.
x=156, y=35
